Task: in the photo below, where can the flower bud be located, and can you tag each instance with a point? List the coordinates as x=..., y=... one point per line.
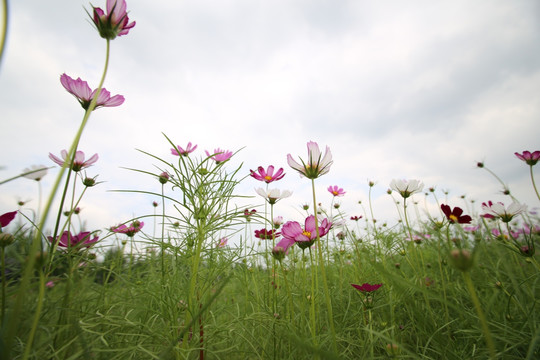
x=163, y=177
x=6, y=239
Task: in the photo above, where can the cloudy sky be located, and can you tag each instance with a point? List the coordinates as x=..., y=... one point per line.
x=415, y=90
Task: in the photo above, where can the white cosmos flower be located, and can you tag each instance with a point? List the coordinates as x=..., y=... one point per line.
x=407, y=188
x=273, y=195
x=505, y=214
x=35, y=172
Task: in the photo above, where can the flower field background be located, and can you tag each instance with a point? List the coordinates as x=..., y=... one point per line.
x=217, y=279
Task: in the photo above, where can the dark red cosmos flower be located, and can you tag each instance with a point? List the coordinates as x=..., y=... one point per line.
x=6, y=218
x=366, y=288
x=356, y=218
x=264, y=234
x=454, y=216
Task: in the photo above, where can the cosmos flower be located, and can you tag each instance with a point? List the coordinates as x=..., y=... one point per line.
x=184, y=152
x=84, y=94
x=454, y=216
x=223, y=242
x=79, y=162
x=293, y=232
x=115, y=22
x=267, y=175
x=406, y=188
x=273, y=195
x=530, y=158
x=68, y=240
x=366, y=288
x=356, y=218
x=6, y=218
x=264, y=234
x=131, y=230
x=499, y=211
x=336, y=191
x=35, y=172
x=315, y=166
x=219, y=155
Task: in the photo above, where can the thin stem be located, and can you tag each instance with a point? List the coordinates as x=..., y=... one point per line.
x=4, y=28
x=534, y=185
x=481, y=316
x=323, y=272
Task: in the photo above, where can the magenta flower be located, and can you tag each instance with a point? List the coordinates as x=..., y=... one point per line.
x=454, y=216
x=530, y=158
x=336, y=191
x=315, y=165
x=223, y=242
x=131, y=230
x=184, y=152
x=267, y=175
x=356, y=218
x=115, y=22
x=68, y=240
x=6, y=218
x=293, y=232
x=79, y=162
x=366, y=288
x=219, y=155
x=84, y=94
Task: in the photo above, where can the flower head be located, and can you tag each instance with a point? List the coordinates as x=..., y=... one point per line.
x=35, y=172
x=131, y=230
x=315, y=166
x=278, y=252
x=406, y=188
x=366, y=288
x=293, y=232
x=499, y=211
x=249, y=213
x=184, y=152
x=78, y=163
x=267, y=175
x=68, y=240
x=356, y=218
x=164, y=177
x=273, y=195
x=223, y=242
x=84, y=94
x=277, y=222
x=454, y=216
x=264, y=234
x=115, y=22
x=6, y=218
x=530, y=158
x=336, y=191
x=219, y=155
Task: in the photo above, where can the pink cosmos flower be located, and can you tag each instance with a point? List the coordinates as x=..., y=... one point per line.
x=277, y=221
x=79, y=240
x=131, y=230
x=267, y=175
x=530, y=158
x=315, y=166
x=223, y=242
x=499, y=211
x=115, y=22
x=293, y=232
x=366, y=288
x=184, y=152
x=336, y=191
x=84, y=94
x=219, y=155
x=79, y=162
x=6, y=218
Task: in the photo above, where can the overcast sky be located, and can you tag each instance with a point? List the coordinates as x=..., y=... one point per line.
x=415, y=90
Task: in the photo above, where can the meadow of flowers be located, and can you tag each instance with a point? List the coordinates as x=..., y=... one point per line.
x=217, y=280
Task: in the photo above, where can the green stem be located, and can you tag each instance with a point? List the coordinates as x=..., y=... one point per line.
x=4, y=28
x=481, y=316
x=14, y=321
x=534, y=185
x=162, y=234
x=323, y=272
x=36, y=315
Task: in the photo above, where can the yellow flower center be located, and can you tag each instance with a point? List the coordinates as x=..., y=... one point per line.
x=335, y=193
x=268, y=178
x=453, y=218
x=307, y=233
